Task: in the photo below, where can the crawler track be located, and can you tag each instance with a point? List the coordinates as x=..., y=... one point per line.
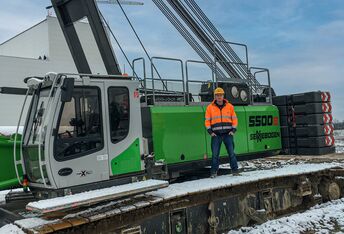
x=205, y=205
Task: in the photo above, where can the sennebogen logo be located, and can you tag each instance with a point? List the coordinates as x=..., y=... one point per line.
x=259, y=136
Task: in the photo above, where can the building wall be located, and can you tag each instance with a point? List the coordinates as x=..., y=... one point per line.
x=31, y=43
x=12, y=73
x=60, y=53
x=18, y=59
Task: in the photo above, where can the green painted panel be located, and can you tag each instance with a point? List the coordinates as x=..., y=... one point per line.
x=8, y=176
x=178, y=133
x=266, y=132
x=128, y=161
x=11, y=183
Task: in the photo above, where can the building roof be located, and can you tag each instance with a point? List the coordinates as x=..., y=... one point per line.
x=12, y=38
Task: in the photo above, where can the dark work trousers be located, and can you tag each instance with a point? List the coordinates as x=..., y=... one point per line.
x=216, y=142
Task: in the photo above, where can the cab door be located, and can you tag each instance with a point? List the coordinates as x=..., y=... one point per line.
x=79, y=146
x=125, y=127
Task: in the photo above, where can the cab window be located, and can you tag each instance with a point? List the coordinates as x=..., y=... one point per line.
x=119, y=113
x=79, y=129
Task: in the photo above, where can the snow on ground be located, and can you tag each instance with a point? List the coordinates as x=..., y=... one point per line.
x=11, y=229
x=3, y=194
x=264, y=164
x=324, y=218
x=9, y=130
x=33, y=222
x=190, y=187
x=339, y=140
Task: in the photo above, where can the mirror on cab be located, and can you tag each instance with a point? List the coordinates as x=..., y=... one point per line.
x=67, y=90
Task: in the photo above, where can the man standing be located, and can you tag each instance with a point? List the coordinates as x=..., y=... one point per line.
x=221, y=123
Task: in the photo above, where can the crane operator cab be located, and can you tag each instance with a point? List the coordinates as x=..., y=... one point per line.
x=81, y=130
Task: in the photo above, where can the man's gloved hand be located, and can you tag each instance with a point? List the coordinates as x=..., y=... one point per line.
x=232, y=132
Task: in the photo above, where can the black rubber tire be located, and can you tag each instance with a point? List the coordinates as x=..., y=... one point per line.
x=316, y=151
x=310, y=97
x=313, y=108
x=315, y=142
x=314, y=130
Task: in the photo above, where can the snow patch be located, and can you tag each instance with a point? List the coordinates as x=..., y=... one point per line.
x=94, y=195
x=191, y=187
x=9, y=130
x=11, y=229
x=324, y=218
x=30, y=223
x=339, y=140
x=3, y=194
x=259, y=164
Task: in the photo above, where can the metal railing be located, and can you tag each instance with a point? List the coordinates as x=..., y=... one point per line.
x=189, y=81
x=256, y=70
x=241, y=68
x=183, y=94
x=153, y=79
x=144, y=85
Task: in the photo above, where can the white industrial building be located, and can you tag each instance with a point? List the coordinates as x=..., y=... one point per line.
x=36, y=51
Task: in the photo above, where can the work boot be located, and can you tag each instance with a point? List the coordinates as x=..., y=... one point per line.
x=236, y=173
x=213, y=175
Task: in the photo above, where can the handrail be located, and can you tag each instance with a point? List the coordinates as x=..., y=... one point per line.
x=167, y=59
x=235, y=61
x=235, y=43
x=58, y=76
x=194, y=81
x=21, y=141
x=144, y=73
x=261, y=70
x=251, y=80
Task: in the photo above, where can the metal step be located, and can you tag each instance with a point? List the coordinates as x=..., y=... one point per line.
x=89, y=198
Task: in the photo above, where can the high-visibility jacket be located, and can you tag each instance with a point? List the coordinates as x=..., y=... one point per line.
x=220, y=121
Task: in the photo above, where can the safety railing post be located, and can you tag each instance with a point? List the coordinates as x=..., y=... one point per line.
x=195, y=81
x=261, y=70
x=166, y=80
x=152, y=75
x=144, y=75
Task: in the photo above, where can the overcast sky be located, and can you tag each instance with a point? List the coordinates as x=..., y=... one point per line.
x=300, y=41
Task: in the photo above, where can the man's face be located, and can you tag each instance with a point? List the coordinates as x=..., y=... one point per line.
x=219, y=97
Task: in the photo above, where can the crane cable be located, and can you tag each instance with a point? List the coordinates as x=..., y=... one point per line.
x=119, y=45
x=141, y=43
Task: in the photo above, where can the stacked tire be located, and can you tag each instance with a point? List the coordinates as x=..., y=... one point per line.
x=306, y=123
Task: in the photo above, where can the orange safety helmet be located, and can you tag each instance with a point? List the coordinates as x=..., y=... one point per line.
x=219, y=91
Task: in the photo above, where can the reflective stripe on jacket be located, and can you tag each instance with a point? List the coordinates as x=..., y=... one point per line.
x=221, y=121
